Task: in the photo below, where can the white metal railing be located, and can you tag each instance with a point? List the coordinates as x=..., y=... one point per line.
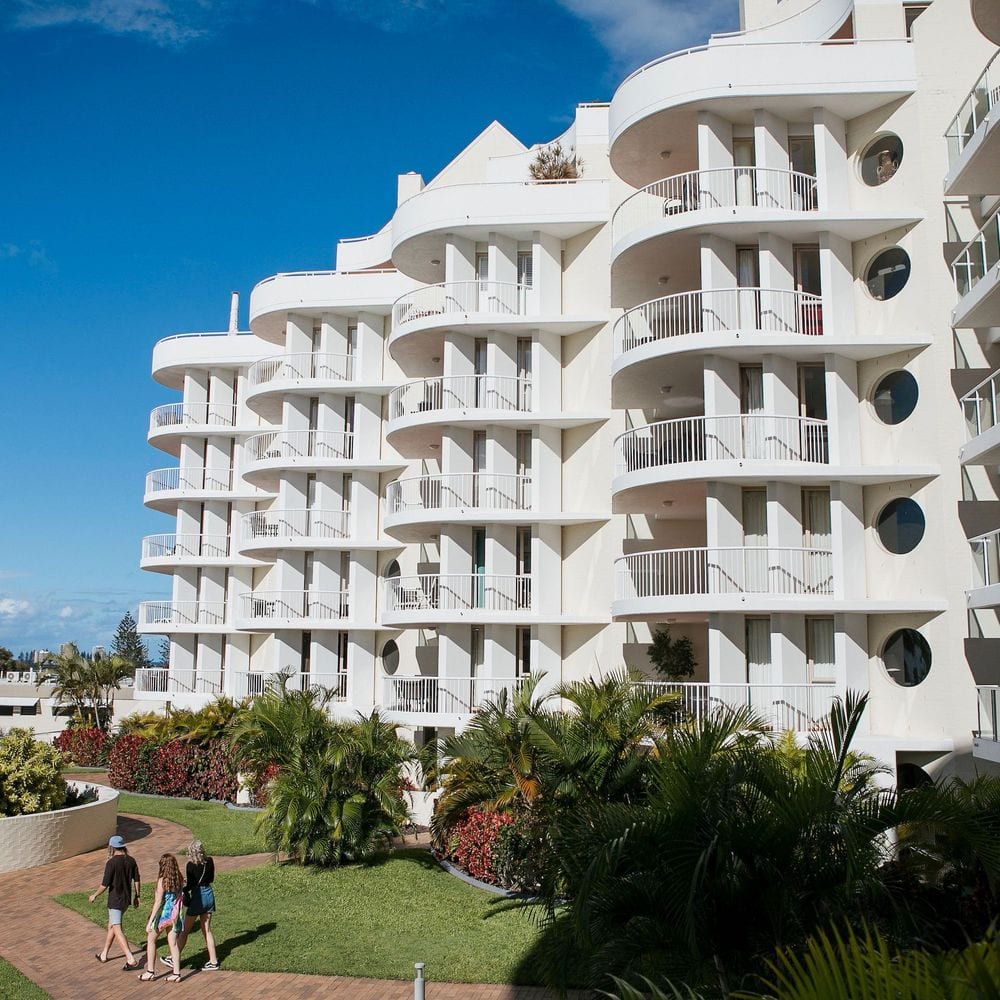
x=195, y=480
x=329, y=445
x=981, y=405
x=320, y=605
x=716, y=310
x=461, y=392
x=462, y=491
x=192, y=414
x=980, y=254
x=986, y=700
x=460, y=297
x=264, y=525
x=742, y=436
x=186, y=613
x=171, y=681
x=443, y=695
x=185, y=546
x=251, y=684
x=458, y=592
x=767, y=188
x=985, y=560
x=327, y=367
x=730, y=570
x=799, y=707
x=983, y=97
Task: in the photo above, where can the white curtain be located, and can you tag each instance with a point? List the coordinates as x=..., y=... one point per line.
x=819, y=639
x=752, y=406
x=816, y=536
x=755, y=540
x=758, y=650
x=748, y=278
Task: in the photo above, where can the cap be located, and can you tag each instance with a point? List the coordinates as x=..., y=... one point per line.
x=116, y=842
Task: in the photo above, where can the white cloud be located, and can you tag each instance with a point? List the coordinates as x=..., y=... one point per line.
x=635, y=31
x=33, y=253
x=11, y=608
x=66, y=612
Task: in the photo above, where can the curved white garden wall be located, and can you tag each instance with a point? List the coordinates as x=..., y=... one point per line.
x=40, y=839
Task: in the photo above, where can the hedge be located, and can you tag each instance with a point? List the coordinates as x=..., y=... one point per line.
x=85, y=747
x=176, y=767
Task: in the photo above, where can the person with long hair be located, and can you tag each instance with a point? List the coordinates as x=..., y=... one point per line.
x=199, y=904
x=165, y=916
x=121, y=881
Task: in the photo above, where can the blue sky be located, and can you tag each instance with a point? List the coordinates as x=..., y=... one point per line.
x=158, y=154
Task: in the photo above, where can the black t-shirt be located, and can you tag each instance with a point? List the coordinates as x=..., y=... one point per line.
x=119, y=874
x=200, y=874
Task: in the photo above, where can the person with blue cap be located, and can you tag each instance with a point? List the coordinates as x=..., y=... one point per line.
x=121, y=880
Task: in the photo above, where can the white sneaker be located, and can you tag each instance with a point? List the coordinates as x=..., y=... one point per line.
x=210, y=967
x=167, y=960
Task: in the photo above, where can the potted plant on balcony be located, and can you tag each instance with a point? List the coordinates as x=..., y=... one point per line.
x=553, y=163
x=672, y=658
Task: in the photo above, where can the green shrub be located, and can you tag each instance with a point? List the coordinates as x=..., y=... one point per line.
x=31, y=778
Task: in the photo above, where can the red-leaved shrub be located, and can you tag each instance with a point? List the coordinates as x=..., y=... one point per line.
x=259, y=785
x=213, y=773
x=124, y=763
x=472, y=841
x=170, y=768
x=180, y=768
x=87, y=747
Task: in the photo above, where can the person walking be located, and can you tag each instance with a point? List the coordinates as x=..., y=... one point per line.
x=199, y=904
x=121, y=882
x=165, y=916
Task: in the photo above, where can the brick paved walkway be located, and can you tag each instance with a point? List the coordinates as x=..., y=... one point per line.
x=54, y=946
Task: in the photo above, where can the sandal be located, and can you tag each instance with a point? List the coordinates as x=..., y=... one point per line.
x=147, y=976
x=174, y=977
x=103, y=961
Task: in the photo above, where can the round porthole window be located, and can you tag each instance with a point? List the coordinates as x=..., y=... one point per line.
x=907, y=657
x=900, y=525
x=881, y=160
x=888, y=273
x=895, y=397
x=390, y=657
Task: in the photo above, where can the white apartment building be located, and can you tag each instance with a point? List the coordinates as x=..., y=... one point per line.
x=715, y=384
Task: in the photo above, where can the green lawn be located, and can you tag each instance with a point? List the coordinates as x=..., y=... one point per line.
x=14, y=986
x=373, y=921
x=224, y=832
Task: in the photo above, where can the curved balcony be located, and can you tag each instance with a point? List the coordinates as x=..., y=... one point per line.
x=299, y=609
x=158, y=683
x=703, y=580
x=985, y=589
x=785, y=67
x=252, y=683
x=730, y=446
x=270, y=453
x=166, y=487
x=974, y=137
x=182, y=616
x=298, y=528
x=177, y=354
x=170, y=422
x=440, y=598
x=986, y=18
x=164, y=553
x=977, y=278
x=981, y=406
x=269, y=380
x=440, y=701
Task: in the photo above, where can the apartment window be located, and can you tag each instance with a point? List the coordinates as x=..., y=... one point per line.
x=753, y=429
x=311, y=490
x=317, y=336
x=525, y=267
x=482, y=267
x=523, y=551
x=482, y=279
x=313, y=413
x=802, y=154
x=744, y=159
x=523, y=457
x=805, y=264
x=755, y=559
x=477, y=650
x=911, y=11
x=820, y=650
x=341, y=687
x=346, y=484
x=758, y=650
x=305, y=654
x=524, y=372
x=813, y=443
x=522, y=643
x=478, y=465
x=308, y=569
x=816, y=528
x=352, y=339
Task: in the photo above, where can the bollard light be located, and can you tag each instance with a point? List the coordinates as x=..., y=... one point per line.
x=418, y=981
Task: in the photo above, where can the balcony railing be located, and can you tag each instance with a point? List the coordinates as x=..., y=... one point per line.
x=461, y=297
x=299, y=367
x=975, y=108
x=443, y=695
x=987, y=728
x=732, y=570
x=981, y=405
x=192, y=414
x=269, y=525
x=182, y=613
x=741, y=436
x=171, y=681
x=799, y=707
x=724, y=187
x=292, y=445
x=185, y=546
x=316, y=605
x=458, y=592
x=464, y=491
x=718, y=310
x=979, y=255
x=195, y=480
x=461, y=392
x=252, y=684
x=985, y=560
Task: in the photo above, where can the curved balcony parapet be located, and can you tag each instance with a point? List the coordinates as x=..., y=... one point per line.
x=193, y=480
x=170, y=682
x=181, y=615
x=463, y=491
x=736, y=437
x=777, y=311
x=458, y=592
x=269, y=528
x=294, y=446
x=253, y=683
x=668, y=573
x=984, y=590
x=171, y=416
x=461, y=392
x=747, y=189
x=308, y=367
x=493, y=300
x=977, y=278
x=447, y=696
x=184, y=547
x=270, y=606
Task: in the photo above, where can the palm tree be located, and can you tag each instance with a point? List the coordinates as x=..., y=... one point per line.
x=68, y=675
